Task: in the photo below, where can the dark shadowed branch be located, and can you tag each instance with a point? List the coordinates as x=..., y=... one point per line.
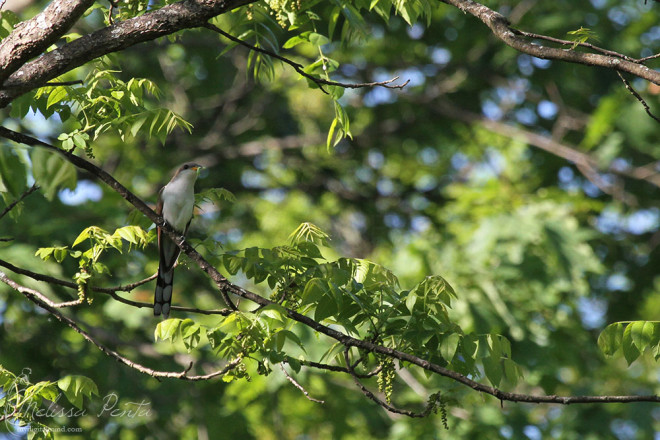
x=299, y=67
x=11, y=206
x=39, y=299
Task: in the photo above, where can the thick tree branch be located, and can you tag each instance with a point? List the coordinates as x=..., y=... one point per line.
x=167, y=20
x=499, y=25
x=226, y=286
x=43, y=302
x=32, y=37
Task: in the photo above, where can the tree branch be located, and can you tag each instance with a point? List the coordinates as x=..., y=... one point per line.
x=647, y=173
x=638, y=97
x=339, y=369
x=108, y=290
x=32, y=37
x=226, y=286
x=380, y=402
x=499, y=25
x=43, y=302
x=299, y=68
x=167, y=20
x=300, y=387
x=26, y=193
x=121, y=190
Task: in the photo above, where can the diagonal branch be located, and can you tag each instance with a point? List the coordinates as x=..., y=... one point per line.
x=40, y=300
x=297, y=385
x=499, y=25
x=299, y=68
x=11, y=206
x=171, y=18
x=225, y=287
x=380, y=402
x=122, y=191
x=638, y=97
x=30, y=38
x=584, y=160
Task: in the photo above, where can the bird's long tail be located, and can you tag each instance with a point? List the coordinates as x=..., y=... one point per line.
x=163, y=294
x=169, y=252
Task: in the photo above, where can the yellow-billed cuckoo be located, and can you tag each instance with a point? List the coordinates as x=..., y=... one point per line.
x=175, y=203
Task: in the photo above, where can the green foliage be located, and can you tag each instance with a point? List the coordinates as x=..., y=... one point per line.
x=215, y=196
x=538, y=256
x=27, y=403
x=582, y=35
x=359, y=296
x=631, y=338
x=8, y=20
x=175, y=329
x=99, y=240
x=104, y=104
x=52, y=172
x=13, y=177
x=75, y=387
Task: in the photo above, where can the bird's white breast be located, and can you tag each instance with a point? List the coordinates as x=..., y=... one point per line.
x=178, y=202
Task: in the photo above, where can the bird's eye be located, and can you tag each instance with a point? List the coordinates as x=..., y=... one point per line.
x=185, y=167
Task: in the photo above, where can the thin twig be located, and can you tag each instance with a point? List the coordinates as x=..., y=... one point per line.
x=62, y=83
x=339, y=369
x=26, y=193
x=299, y=67
x=637, y=95
x=43, y=302
x=380, y=402
x=108, y=290
x=300, y=387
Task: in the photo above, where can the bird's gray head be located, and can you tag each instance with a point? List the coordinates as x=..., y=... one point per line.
x=188, y=170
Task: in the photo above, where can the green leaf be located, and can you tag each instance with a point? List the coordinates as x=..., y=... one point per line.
x=630, y=352
x=318, y=39
x=58, y=253
x=128, y=233
x=326, y=307
x=313, y=292
x=493, y=370
x=52, y=172
x=610, y=339
x=76, y=387
x=296, y=40
x=167, y=329
x=56, y=95
x=643, y=334
x=308, y=232
x=13, y=174
x=84, y=235
x=449, y=345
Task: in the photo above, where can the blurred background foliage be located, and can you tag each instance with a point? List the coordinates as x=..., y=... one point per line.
x=441, y=177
